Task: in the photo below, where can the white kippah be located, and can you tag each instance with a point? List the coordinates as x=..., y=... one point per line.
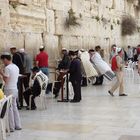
x=6, y=53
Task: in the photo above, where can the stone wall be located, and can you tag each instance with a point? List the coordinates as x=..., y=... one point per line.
x=30, y=23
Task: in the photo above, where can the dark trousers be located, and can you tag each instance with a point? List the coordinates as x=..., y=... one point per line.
x=27, y=95
x=26, y=80
x=77, y=90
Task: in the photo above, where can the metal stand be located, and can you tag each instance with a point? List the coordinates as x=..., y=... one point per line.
x=62, y=90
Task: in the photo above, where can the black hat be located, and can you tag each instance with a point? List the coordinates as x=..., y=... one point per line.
x=71, y=52
x=35, y=69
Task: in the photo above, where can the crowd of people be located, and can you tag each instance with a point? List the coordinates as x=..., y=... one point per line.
x=83, y=66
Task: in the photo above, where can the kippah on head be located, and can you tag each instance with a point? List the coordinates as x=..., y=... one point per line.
x=41, y=47
x=119, y=50
x=13, y=48
x=5, y=53
x=21, y=50
x=64, y=49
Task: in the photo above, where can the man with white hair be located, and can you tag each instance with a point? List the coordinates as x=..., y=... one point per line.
x=42, y=60
x=117, y=67
x=28, y=63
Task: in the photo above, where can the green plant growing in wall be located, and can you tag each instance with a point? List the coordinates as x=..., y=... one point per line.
x=111, y=27
x=97, y=18
x=118, y=22
x=138, y=29
x=14, y=4
x=71, y=20
x=0, y=12
x=138, y=5
x=97, y=1
x=80, y=15
x=128, y=25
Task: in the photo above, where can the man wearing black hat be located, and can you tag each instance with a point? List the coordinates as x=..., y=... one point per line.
x=75, y=76
x=39, y=79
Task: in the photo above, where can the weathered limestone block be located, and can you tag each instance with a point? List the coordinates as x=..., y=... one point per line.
x=32, y=42
x=78, y=6
x=14, y=39
x=51, y=43
x=87, y=9
x=59, y=4
x=25, y=2
x=94, y=9
x=4, y=14
x=50, y=21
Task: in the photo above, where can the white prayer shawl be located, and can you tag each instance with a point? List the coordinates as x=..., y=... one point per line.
x=101, y=65
x=88, y=67
x=42, y=79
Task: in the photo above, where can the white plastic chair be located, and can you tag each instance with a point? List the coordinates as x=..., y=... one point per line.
x=41, y=100
x=128, y=70
x=3, y=111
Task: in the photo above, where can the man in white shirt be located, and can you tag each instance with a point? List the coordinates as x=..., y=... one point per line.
x=10, y=76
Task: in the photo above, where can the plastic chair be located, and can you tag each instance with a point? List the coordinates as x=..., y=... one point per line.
x=128, y=70
x=3, y=111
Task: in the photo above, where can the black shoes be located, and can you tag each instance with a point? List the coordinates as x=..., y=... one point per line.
x=74, y=101
x=110, y=93
x=123, y=94
x=32, y=108
x=18, y=128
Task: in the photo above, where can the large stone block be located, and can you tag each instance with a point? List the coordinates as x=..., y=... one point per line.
x=51, y=43
x=59, y=4
x=50, y=19
x=32, y=42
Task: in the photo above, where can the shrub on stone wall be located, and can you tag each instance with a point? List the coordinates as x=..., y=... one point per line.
x=72, y=20
x=128, y=25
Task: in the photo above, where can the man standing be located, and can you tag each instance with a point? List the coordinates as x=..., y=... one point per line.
x=18, y=59
x=28, y=63
x=62, y=67
x=75, y=76
x=117, y=67
x=10, y=76
x=42, y=60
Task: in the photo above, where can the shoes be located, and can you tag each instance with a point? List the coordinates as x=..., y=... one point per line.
x=18, y=128
x=74, y=101
x=27, y=108
x=56, y=95
x=123, y=94
x=33, y=108
x=11, y=130
x=110, y=93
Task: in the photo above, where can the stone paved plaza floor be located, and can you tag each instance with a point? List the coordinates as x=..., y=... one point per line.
x=97, y=117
